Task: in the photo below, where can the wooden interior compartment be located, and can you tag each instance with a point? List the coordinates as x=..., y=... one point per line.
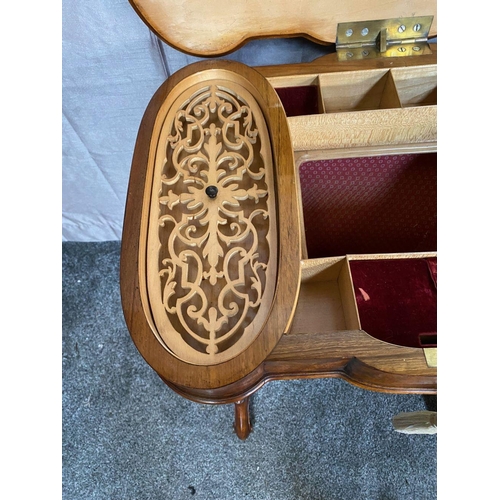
x=396, y=297
x=358, y=90
x=332, y=291
x=416, y=85
x=369, y=205
x=335, y=92
x=380, y=208
x=325, y=289
x=299, y=94
x=362, y=107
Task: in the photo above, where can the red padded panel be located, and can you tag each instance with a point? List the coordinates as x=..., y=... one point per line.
x=379, y=204
x=299, y=100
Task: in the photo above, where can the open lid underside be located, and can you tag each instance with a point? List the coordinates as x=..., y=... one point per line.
x=205, y=28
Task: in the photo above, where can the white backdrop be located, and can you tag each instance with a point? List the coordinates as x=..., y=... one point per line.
x=112, y=65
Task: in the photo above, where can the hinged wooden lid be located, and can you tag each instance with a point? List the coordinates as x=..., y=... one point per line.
x=211, y=240
x=213, y=28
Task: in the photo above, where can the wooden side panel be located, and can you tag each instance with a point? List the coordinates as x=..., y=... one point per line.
x=373, y=128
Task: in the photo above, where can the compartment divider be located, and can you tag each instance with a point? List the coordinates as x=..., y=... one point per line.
x=358, y=91
x=390, y=97
x=416, y=86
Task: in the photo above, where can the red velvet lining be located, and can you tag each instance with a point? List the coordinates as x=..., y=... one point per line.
x=397, y=299
x=380, y=204
x=299, y=101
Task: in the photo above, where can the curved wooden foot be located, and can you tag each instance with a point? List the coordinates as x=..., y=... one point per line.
x=242, y=424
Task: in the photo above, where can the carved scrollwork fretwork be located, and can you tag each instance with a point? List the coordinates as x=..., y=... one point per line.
x=215, y=222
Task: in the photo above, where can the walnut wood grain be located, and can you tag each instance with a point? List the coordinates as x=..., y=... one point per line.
x=309, y=366
x=318, y=343
x=242, y=424
x=206, y=28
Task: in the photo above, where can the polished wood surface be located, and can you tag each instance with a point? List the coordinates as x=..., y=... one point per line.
x=313, y=330
x=325, y=341
x=318, y=344
x=136, y=297
x=206, y=28
x=242, y=424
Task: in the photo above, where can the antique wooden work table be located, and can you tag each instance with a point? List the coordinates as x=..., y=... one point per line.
x=281, y=221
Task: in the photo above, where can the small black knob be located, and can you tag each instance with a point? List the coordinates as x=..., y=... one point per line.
x=211, y=191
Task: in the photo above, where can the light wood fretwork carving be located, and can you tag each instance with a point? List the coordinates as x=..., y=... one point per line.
x=211, y=242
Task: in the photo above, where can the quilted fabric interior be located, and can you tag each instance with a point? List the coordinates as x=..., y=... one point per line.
x=380, y=204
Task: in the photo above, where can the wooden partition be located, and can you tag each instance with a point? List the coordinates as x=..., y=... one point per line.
x=369, y=108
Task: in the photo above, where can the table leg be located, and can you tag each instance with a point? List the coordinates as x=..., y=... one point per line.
x=242, y=424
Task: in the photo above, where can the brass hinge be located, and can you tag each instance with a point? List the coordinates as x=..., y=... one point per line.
x=400, y=37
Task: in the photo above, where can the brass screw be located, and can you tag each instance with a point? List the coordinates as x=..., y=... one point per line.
x=402, y=28
x=417, y=27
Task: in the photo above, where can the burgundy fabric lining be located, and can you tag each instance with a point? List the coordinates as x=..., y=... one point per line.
x=381, y=204
x=397, y=299
x=298, y=101
x=432, y=263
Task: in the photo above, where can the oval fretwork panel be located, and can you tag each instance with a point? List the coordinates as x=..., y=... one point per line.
x=211, y=236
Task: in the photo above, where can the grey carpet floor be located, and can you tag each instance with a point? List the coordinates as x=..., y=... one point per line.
x=127, y=436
